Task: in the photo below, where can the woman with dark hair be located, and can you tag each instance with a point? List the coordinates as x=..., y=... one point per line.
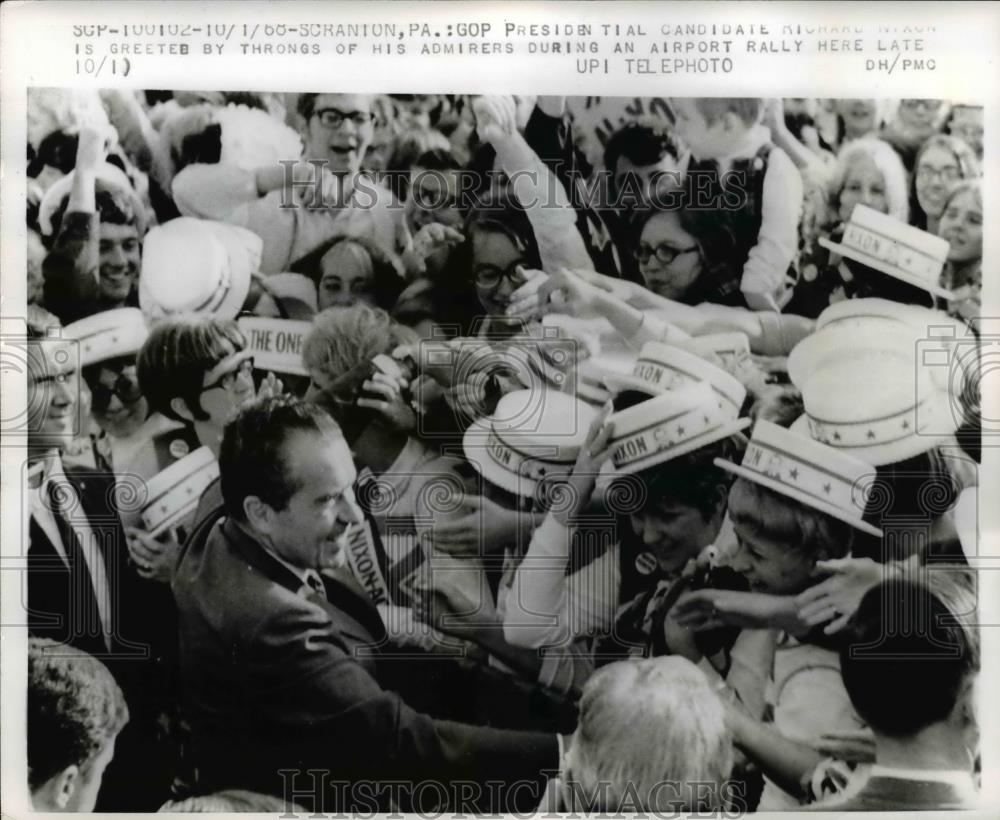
x=350, y=269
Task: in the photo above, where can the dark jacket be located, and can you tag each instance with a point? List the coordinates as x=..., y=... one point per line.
x=277, y=678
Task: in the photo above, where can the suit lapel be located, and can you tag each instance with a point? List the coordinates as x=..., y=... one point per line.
x=345, y=606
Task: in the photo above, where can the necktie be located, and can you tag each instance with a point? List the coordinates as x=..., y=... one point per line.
x=84, y=608
x=315, y=583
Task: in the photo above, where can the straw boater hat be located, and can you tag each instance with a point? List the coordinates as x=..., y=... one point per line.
x=797, y=467
x=197, y=266
x=528, y=439
x=108, y=334
x=670, y=425
x=866, y=391
x=661, y=367
x=109, y=177
x=894, y=248
x=173, y=494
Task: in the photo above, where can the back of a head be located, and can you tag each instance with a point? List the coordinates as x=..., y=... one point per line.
x=912, y=652
x=342, y=338
x=650, y=732
x=75, y=709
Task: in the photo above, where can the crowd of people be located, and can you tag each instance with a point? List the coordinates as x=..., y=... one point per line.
x=386, y=452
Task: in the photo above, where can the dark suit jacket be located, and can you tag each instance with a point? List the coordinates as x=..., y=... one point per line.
x=277, y=677
x=135, y=603
x=142, y=655
x=896, y=794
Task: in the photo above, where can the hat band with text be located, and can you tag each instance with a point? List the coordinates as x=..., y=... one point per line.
x=664, y=435
x=804, y=477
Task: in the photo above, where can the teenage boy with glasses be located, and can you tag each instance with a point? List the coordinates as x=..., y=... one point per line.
x=300, y=202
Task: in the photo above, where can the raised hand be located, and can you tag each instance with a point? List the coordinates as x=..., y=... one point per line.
x=427, y=241
x=388, y=401
x=834, y=600
x=484, y=526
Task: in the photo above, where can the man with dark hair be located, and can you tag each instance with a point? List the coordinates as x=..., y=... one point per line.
x=94, y=261
x=279, y=646
x=914, y=684
x=330, y=192
x=197, y=369
x=75, y=712
x=434, y=211
x=642, y=156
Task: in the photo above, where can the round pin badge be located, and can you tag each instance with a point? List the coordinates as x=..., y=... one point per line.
x=645, y=563
x=179, y=448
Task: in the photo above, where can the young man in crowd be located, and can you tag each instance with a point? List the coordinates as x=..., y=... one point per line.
x=746, y=196
x=75, y=712
x=279, y=645
x=926, y=736
x=93, y=264
x=329, y=192
x=195, y=370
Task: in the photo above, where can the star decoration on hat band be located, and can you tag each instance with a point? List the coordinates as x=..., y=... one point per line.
x=792, y=471
x=868, y=432
x=534, y=466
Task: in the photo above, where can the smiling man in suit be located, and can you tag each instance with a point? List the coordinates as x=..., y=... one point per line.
x=280, y=652
x=82, y=592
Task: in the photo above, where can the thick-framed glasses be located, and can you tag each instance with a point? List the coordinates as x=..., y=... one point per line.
x=227, y=380
x=126, y=388
x=664, y=253
x=333, y=118
x=947, y=174
x=913, y=104
x=489, y=277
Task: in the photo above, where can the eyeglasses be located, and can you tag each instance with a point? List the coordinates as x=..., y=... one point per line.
x=664, y=253
x=333, y=118
x=949, y=173
x=227, y=380
x=930, y=105
x=125, y=388
x=490, y=276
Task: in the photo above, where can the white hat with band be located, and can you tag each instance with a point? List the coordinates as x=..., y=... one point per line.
x=531, y=436
x=173, y=494
x=662, y=367
x=197, y=266
x=108, y=334
x=867, y=391
x=797, y=467
x=896, y=249
x=667, y=426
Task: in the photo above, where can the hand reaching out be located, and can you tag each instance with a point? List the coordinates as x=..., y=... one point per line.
x=484, y=526
x=834, y=600
x=388, y=401
x=154, y=559
x=496, y=117
x=270, y=387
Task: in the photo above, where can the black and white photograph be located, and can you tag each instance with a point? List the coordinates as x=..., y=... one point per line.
x=498, y=453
